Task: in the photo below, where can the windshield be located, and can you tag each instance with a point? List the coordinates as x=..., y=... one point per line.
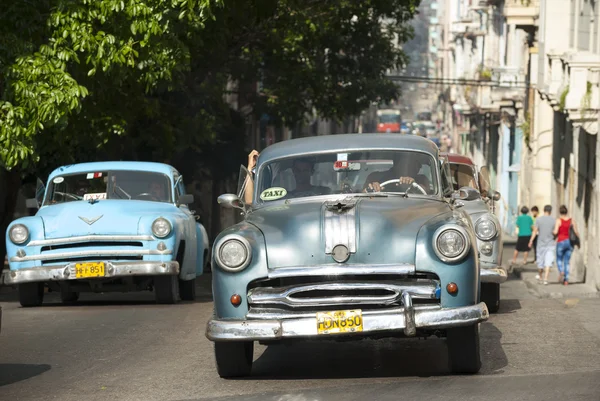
x=389, y=119
x=463, y=175
x=348, y=173
x=97, y=185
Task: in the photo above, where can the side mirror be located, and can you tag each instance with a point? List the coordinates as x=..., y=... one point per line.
x=495, y=195
x=466, y=194
x=186, y=199
x=32, y=203
x=230, y=201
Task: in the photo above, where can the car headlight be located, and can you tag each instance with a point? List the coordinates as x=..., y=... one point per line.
x=18, y=234
x=233, y=253
x=451, y=244
x=485, y=229
x=161, y=227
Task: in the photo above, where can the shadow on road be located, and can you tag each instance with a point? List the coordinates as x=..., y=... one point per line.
x=371, y=358
x=509, y=306
x=15, y=372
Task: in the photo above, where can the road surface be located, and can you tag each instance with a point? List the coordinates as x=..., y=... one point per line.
x=124, y=347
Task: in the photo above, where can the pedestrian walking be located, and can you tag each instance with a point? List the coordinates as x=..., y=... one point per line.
x=564, y=248
x=543, y=234
x=524, y=225
x=534, y=214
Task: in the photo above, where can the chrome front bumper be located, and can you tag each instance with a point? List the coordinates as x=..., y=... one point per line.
x=495, y=275
x=67, y=272
x=406, y=319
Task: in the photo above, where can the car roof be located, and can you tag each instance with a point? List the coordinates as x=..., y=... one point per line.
x=114, y=165
x=347, y=143
x=458, y=159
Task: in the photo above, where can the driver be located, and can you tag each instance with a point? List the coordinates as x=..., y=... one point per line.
x=303, y=170
x=405, y=169
x=157, y=190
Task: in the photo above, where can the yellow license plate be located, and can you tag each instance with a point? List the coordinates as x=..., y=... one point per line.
x=341, y=321
x=90, y=269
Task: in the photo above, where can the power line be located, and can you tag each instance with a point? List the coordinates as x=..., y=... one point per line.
x=463, y=82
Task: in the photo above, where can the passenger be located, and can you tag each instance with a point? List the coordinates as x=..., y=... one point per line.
x=303, y=170
x=405, y=169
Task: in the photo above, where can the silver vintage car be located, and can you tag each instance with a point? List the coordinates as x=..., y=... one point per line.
x=346, y=237
x=464, y=173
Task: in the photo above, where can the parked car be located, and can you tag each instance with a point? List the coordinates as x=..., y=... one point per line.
x=108, y=226
x=487, y=226
x=317, y=257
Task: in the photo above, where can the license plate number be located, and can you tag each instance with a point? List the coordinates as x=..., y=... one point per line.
x=341, y=321
x=90, y=269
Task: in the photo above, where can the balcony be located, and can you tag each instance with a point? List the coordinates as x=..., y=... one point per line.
x=522, y=12
x=510, y=84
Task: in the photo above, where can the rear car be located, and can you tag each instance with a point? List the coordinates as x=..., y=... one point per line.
x=108, y=226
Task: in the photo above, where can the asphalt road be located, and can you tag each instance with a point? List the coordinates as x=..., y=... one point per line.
x=124, y=347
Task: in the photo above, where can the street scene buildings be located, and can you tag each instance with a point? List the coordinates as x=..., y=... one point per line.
x=521, y=95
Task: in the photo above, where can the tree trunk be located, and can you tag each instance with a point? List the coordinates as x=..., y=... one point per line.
x=10, y=183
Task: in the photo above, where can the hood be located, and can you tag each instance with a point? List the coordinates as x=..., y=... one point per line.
x=376, y=230
x=106, y=217
x=476, y=206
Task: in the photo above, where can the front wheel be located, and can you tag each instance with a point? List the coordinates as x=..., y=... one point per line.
x=234, y=359
x=31, y=294
x=490, y=294
x=463, y=349
x=187, y=290
x=166, y=289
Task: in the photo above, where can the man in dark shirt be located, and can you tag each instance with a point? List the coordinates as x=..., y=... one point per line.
x=405, y=169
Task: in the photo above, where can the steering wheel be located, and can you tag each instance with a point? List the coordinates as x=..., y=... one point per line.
x=147, y=195
x=414, y=184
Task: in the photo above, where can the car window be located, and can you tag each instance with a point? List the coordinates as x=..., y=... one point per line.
x=334, y=173
x=462, y=175
x=118, y=184
x=445, y=177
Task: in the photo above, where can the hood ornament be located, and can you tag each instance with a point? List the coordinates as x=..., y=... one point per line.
x=340, y=205
x=92, y=220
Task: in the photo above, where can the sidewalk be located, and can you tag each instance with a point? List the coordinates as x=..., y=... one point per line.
x=553, y=289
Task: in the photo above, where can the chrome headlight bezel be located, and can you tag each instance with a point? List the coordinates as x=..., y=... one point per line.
x=482, y=220
x=158, y=234
x=219, y=247
x=438, y=233
x=11, y=235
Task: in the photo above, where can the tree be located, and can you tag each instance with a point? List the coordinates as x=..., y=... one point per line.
x=135, y=79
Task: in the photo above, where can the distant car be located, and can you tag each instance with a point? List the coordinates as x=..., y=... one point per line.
x=317, y=257
x=404, y=128
x=487, y=226
x=108, y=226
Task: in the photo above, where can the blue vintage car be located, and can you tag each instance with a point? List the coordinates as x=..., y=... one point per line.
x=487, y=226
x=108, y=226
x=324, y=254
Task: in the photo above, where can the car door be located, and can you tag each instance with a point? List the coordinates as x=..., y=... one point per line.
x=191, y=240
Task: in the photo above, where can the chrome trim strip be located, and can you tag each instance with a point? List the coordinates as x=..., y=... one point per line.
x=388, y=321
x=497, y=275
x=89, y=238
x=90, y=253
x=342, y=270
x=286, y=295
x=67, y=272
x=340, y=226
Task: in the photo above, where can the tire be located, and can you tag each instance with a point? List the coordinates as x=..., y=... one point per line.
x=68, y=297
x=187, y=290
x=234, y=359
x=166, y=289
x=463, y=349
x=31, y=294
x=490, y=294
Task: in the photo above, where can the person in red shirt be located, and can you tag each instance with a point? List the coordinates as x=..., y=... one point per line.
x=564, y=249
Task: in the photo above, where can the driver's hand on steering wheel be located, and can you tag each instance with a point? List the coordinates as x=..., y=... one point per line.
x=406, y=180
x=373, y=187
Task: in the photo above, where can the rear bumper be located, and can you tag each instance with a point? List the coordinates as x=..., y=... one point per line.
x=406, y=320
x=67, y=272
x=495, y=275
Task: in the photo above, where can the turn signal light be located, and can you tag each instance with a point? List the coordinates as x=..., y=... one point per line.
x=452, y=288
x=236, y=300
